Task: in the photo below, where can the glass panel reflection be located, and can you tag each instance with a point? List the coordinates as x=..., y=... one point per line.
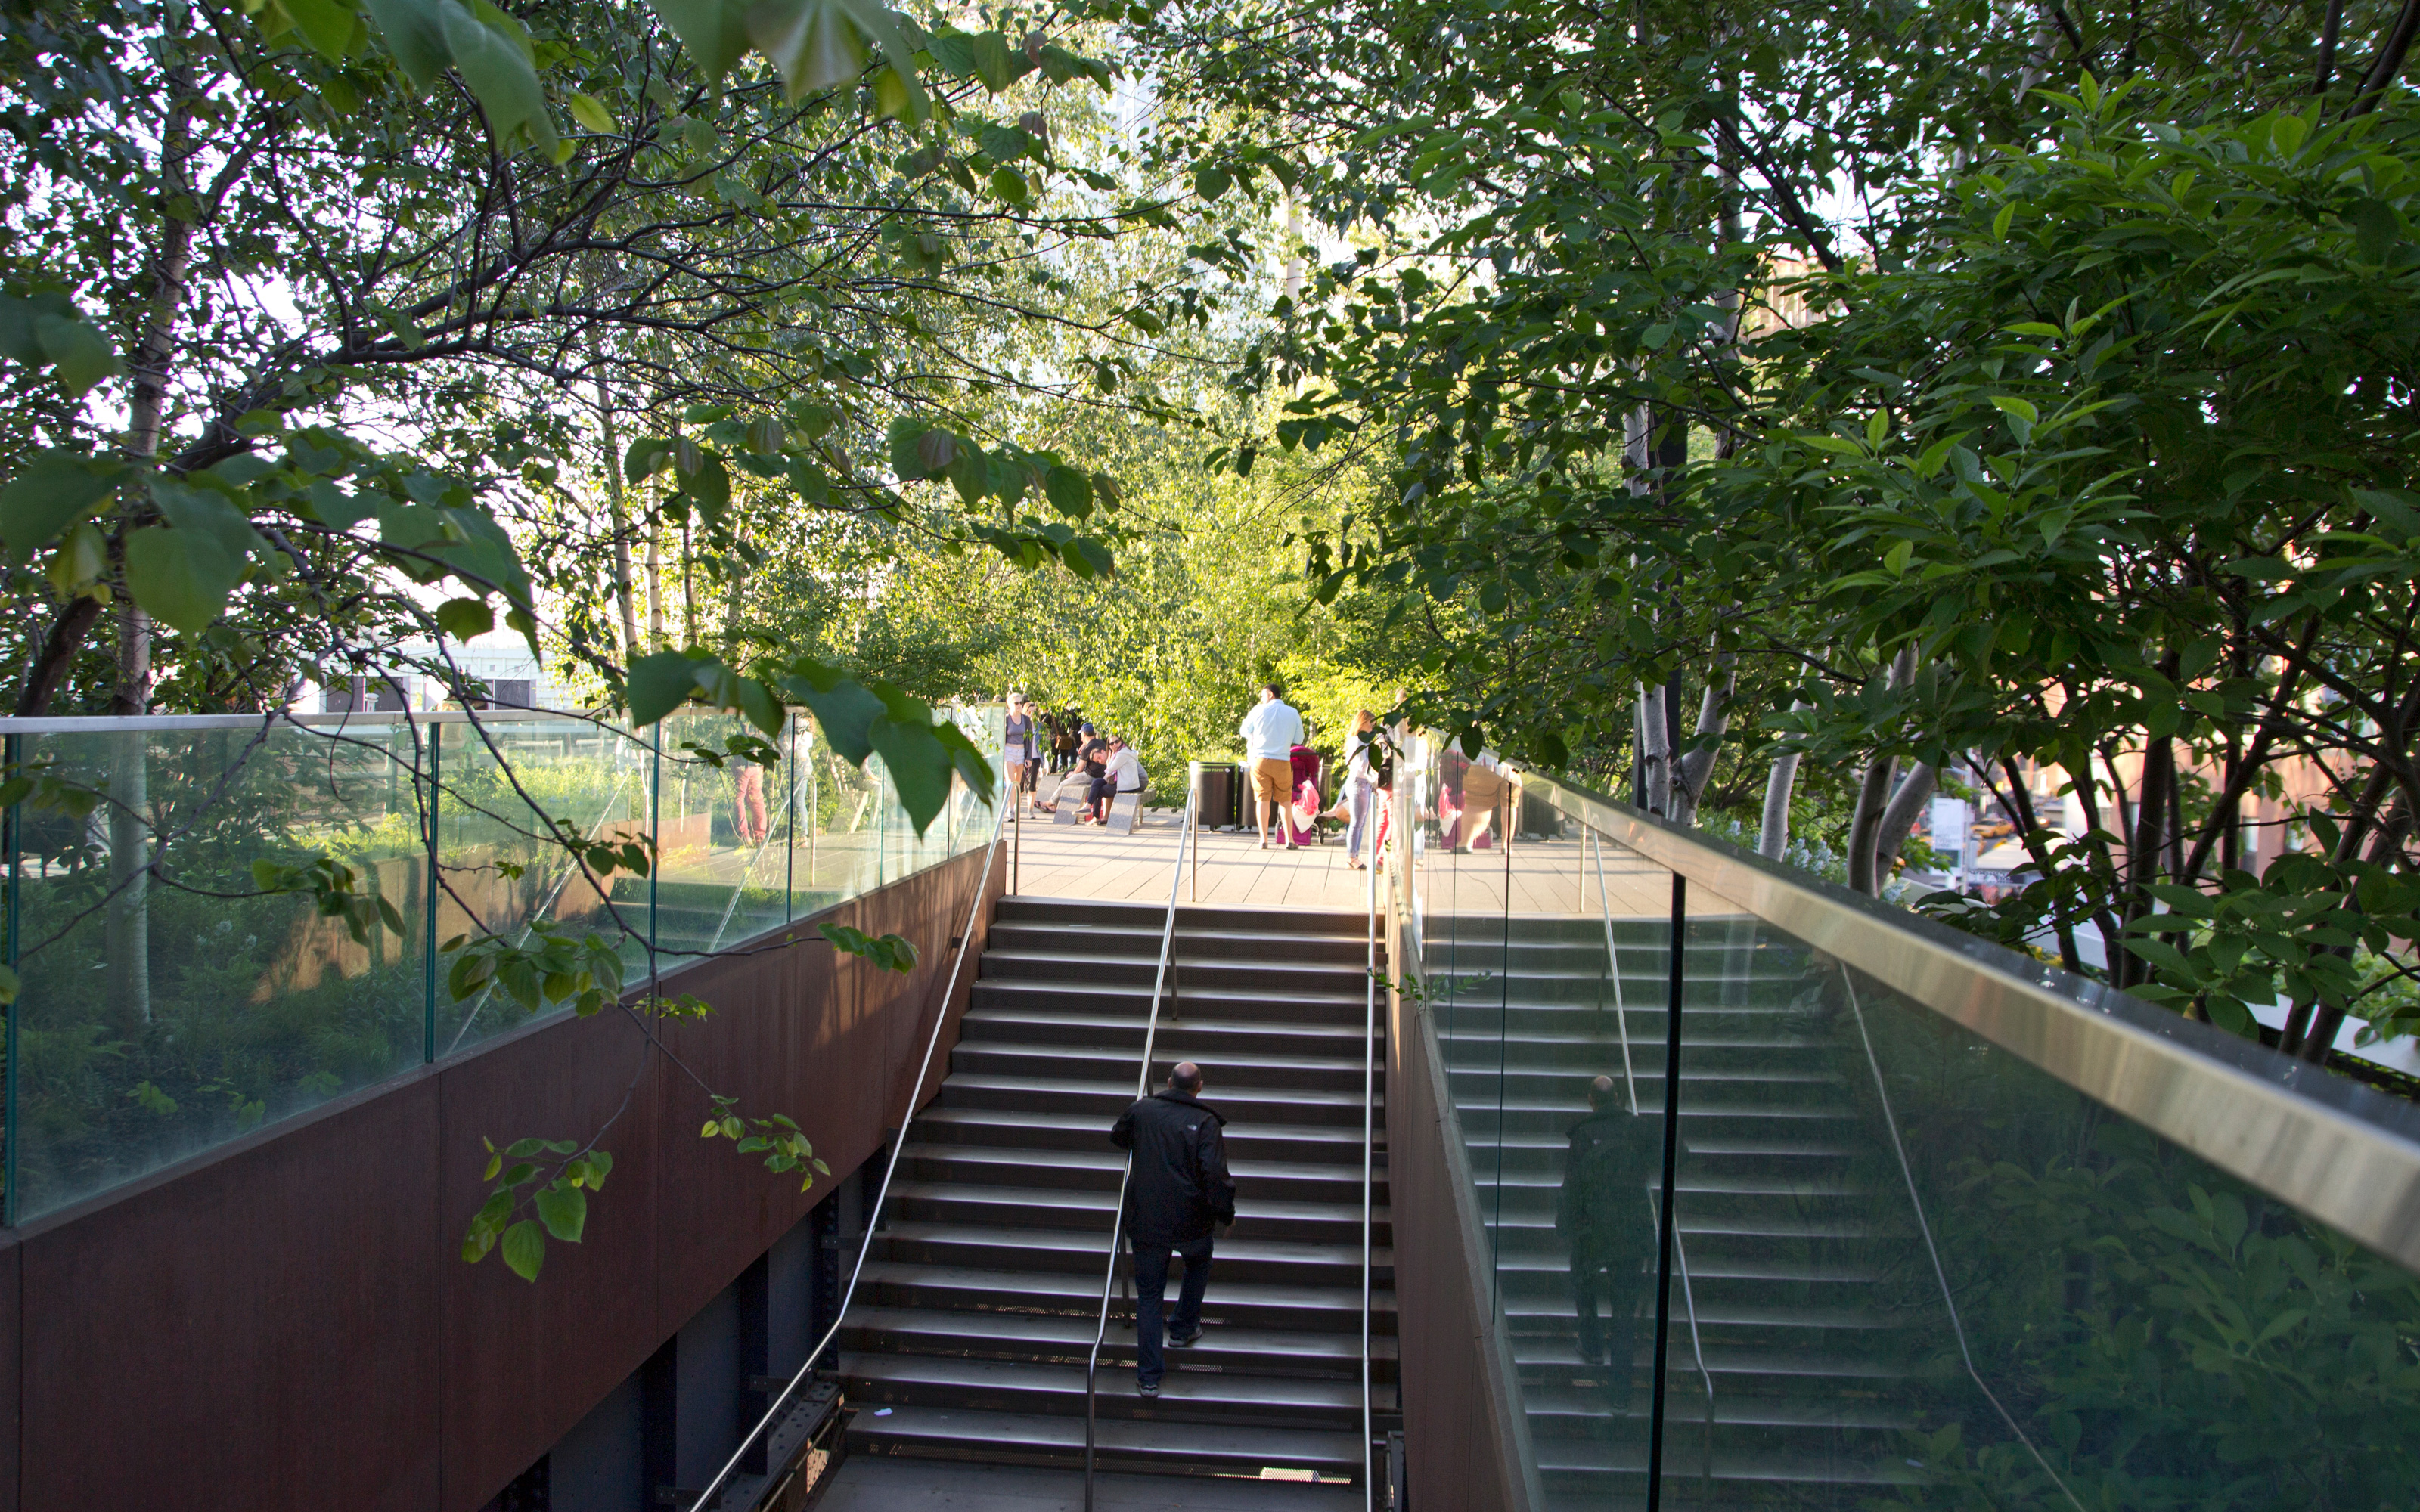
x=168, y=1003
x=1976, y=1287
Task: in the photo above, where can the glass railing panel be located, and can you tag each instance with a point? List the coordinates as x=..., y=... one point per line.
x=510, y=785
x=1971, y=1284
x=722, y=876
x=1578, y=1149
x=168, y=1003
x=836, y=836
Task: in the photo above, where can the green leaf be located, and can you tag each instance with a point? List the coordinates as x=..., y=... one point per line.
x=2376, y=229
x=1070, y=492
x=182, y=574
x=52, y=490
x=714, y=31
x=1210, y=180
x=990, y=52
x=564, y=1211
x=906, y=435
x=811, y=41
x=463, y=618
x=1087, y=558
x=590, y=112
x=416, y=35
x=500, y=74
x=661, y=682
x=83, y=355
x=1011, y=185
x=2021, y=409
x=844, y=708
x=325, y=24
x=525, y=1248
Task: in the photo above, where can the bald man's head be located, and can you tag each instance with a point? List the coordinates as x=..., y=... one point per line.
x=1598, y=1090
x=1187, y=1077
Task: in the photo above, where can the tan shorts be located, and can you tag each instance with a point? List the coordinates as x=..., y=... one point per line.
x=1273, y=779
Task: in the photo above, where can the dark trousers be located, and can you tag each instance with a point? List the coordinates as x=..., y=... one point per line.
x=1151, y=1296
x=1613, y=1278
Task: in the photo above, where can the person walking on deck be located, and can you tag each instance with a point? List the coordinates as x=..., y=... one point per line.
x=1270, y=734
x=1360, y=796
x=1179, y=1197
x=1017, y=744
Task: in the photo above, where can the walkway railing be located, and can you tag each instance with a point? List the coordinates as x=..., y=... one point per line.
x=170, y=1001
x=1944, y=1212
x=752, y=1454
x=1125, y=1173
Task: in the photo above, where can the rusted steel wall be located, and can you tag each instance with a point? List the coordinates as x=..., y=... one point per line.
x=286, y=1321
x=1464, y=1445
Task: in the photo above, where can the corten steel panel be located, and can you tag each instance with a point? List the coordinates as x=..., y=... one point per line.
x=808, y=1040
x=1461, y=1430
x=524, y=1362
x=795, y=1029
x=286, y=1321
x=254, y=1330
x=11, y=1444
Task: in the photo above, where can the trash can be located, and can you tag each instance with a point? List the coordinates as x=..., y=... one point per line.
x=1214, y=793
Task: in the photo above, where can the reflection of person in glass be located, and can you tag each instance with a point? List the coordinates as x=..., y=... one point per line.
x=748, y=806
x=1602, y=1215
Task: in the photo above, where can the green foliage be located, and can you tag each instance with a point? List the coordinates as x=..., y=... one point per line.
x=890, y=952
x=549, y=1177
x=783, y=1147
x=2165, y=1337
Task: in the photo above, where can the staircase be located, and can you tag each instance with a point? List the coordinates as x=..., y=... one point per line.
x=982, y=1289
x=1795, y=1230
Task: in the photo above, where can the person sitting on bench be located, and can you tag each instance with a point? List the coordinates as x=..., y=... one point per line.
x=1121, y=772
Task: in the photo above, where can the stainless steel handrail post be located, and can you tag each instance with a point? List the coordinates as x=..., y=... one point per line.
x=1369, y=1160
x=1613, y=969
x=1654, y=1220
x=1143, y=1085
x=705, y=1498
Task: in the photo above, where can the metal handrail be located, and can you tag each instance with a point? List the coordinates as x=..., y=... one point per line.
x=781, y=1402
x=1369, y=1156
x=1142, y=1087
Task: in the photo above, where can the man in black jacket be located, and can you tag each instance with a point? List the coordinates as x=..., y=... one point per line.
x=1602, y=1214
x=1178, y=1189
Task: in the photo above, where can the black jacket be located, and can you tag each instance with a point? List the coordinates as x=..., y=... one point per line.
x=1180, y=1185
x=1603, y=1206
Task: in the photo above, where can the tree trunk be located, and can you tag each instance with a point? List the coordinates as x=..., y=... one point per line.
x=618, y=515
x=1772, y=833
x=1873, y=795
x=689, y=587
x=126, y=922
x=1654, y=753
x=1866, y=825
x=2144, y=855
x=655, y=585
x=1697, y=767
x=2389, y=62
x=1898, y=817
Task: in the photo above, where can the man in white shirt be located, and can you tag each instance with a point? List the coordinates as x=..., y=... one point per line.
x=1121, y=772
x=1270, y=734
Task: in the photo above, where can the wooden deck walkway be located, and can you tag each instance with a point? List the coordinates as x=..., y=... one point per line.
x=1537, y=876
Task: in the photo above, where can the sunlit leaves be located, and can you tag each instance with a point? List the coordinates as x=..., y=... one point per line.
x=551, y=1178
x=888, y=952
x=777, y=1138
x=50, y=492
